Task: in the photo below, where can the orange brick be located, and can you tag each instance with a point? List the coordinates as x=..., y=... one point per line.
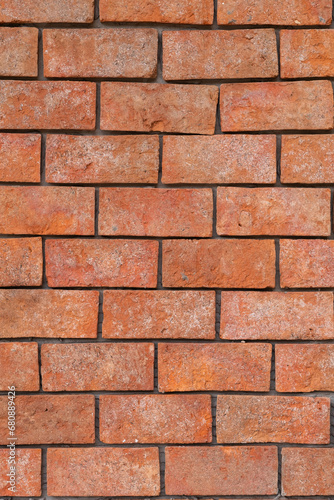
x=28, y=473
x=149, y=107
x=273, y=211
x=219, y=159
x=155, y=418
x=48, y=313
x=273, y=419
x=48, y=11
x=20, y=157
x=220, y=470
x=19, y=365
x=49, y=419
x=307, y=471
x=155, y=212
x=288, y=12
x=218, y=263
x=100, y=53
x=158, y=314
x=214, y=367
x=304, y=368
x=112, y=472
x=47, y=105
x=97, y=367
x=18, y=51
x=276, y=106
x=107, y=263
x=21, y=262
x=307, y=263
x=189, y=55
x=277, y=316
x=160, y=11
x=102, y=159
x=47, y=210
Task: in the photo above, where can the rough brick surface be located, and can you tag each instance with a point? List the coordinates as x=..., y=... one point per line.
x=19, y=366
x=21, y=262
x=48, y=11
x=20, y=157
x=28, y=472
x=18, y=51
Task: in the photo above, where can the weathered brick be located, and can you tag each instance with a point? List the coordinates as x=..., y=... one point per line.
x=219, y=159
x=277, y=316
x=47, y=210
x=155, y=418
x=218, y=263
x=307, y=263
x=49, y=419
x=281, y=12
x=47, y=105
x=307, y=471
x=100, y=53
x=19, y=365
x=48, y=313
x=221, y=470
x=159, y=11
x=20, y=157
x=102, y=159
x=18, y=51
x=158, y=314
x=21, y=262
x=28, y=473
x=48, y=11
x=304, y=368
x=275, y=419
x=276, y=106
x=97, y=367
x=148, y=107
x=189, y=55
x=214, y=367
x=103, y=472
x=107, y=263
x=156, y=212
x=307, y=159
x=273, y=211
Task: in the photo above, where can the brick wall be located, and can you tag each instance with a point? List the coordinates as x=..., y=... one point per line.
x=166, y=249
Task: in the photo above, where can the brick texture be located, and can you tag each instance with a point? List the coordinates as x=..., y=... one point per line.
x=18, y=52
x=19, y=366
x=28, y=473
x=20, y=157
x=21, y=262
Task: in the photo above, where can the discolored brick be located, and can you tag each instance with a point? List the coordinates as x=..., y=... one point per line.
x=18, y=51
x=19, y=365
x=21, y=262
x=28, y=473
x=20, y=157
x=48, y=11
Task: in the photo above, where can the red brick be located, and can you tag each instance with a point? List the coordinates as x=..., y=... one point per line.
x=48, y=11
x=273, y=419
x=48, y=313
x=47, y=105
x=103, y=471
x=102, y=159
x=304, y=368
x=219, y=159
x=288, y=12
x=307, y=471
x=155, y=212
x=307, y=159
x=149, y=107
x=18, y=51
x=21, y=262
x=273, y=211
x=19, y=365
x=189, y=55
x=276, y=106
x=277, y=316
x=47, y=210
x=49, y=419
x=97, y=367
x=155, y=418
x=214, y=367
x=107, y=263
x=28, y=473
x=160, y=11
x=100, y=53
x=164, y=314
x=218, y=263
x=20, y=157
x=307, y=263
x=221, y=470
